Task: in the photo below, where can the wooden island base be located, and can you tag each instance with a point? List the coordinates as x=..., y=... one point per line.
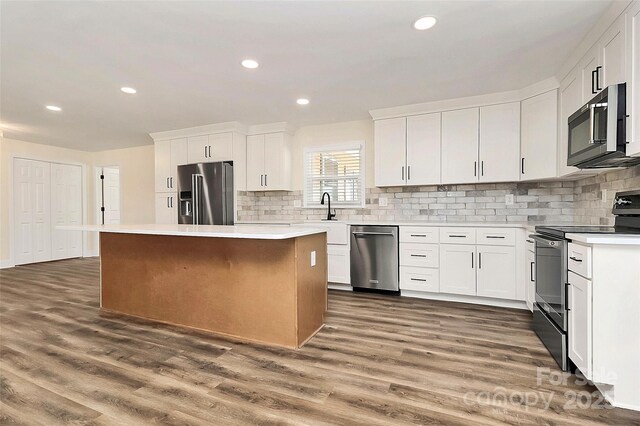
x=254, y=289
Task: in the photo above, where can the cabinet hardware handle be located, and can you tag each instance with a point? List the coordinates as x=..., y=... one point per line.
x=171, y=180
x=593, y=89
x=457, y=236
x=265, y=180
x=402, y=172
x=205, y=151
x=482, y=168
x=475, y=168
x=261, y=180
x=418, y=235
x=522, y=165
x=598, y=68
x=531, y=272
x=419, y=279
x=171, y=201
x=168, y=206
x=408, y=172
x=418, y=255
x=566, y=296
x=168, y=183
x=575, y=259
x=479, y=260
x=530, y=241
x=471, y=260
x=497, y=236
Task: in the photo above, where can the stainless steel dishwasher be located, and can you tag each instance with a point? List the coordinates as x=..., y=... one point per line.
x=374, y=257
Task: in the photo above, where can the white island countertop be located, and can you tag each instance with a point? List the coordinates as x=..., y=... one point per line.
x=256, y=232
x=616, y=239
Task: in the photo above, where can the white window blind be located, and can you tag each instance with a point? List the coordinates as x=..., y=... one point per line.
x=336, y=170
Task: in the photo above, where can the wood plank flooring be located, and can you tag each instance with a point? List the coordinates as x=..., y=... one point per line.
x=379, y=361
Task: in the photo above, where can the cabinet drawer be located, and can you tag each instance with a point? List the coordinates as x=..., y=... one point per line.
x=418, y=234
x=496, y=236
x=579, y=260
x=419, y=279
x=458, y=235
x=421, y=255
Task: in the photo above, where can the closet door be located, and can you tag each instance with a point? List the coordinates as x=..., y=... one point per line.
x=32, y=211
x=66, y=209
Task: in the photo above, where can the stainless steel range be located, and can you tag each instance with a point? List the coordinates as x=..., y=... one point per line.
x=551, y=246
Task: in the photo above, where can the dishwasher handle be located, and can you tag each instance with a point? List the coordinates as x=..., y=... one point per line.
x=358, y=233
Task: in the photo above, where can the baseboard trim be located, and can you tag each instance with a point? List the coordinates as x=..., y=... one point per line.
x=6, y=263
x=474, y=300
x=91, y=254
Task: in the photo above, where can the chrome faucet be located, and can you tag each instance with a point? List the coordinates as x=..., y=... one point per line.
x=330, y=215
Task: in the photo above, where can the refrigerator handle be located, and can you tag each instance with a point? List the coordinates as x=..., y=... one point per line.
x=195, y=188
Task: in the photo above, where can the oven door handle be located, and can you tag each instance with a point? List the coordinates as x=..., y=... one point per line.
x=546, y=241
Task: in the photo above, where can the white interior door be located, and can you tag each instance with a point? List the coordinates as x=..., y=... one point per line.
x=32, y=211
x=111, y=197
x=66, y=209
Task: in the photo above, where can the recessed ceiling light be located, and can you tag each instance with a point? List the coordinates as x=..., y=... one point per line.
x=425, y=23
x=129, y=90
x=302, y=101
x=250, y=63
x=54, y=108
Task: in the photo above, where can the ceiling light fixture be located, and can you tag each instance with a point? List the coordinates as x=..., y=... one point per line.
x=250, y=63
x=54, y=108
x=425, y=23
x=302, y=101
x=128, y=90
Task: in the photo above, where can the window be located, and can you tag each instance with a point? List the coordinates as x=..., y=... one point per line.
x=338, y=170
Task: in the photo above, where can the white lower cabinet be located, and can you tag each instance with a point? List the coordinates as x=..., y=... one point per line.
x=496, y=272
x=166, y=208
x=339, y=264
x=419, y=279
x=580, y=305
x=530, y=280
x=419, y=255
x=458, y=269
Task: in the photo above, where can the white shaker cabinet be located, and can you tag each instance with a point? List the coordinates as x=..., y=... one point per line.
x=269, y=162
x=210, y=148
x=497, y=272
x=612, y=55
x=169, y=154
x=499, y=143
x=390, y=151
x=633, y=79
x=588, y=70
x=458, y=269
x=423, y=149
x=530, y=268
x=539, y=136
x=569, y=102
x=166, y=208
x=580, y=327
x=460, y=146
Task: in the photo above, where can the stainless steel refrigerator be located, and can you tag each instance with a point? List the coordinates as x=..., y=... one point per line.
x=205, y=193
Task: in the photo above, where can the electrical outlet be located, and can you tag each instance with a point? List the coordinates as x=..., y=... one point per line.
x=604, y=195
x=297, y=203
x=383, y=202
x=313, y=258
x=509, y=199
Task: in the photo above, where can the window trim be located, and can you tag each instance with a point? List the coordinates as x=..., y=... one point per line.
x=343, y=146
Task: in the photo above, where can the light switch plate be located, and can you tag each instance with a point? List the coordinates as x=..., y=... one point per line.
x=383, y=202
x=313, y=258
x=508, y=199
x=297, y=203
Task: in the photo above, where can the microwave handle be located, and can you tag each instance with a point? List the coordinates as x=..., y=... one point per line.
x=592, y=114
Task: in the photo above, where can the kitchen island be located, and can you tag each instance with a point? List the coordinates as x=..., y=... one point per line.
x=265, y=284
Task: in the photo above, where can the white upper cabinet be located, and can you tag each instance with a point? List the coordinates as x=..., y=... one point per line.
x=390, y=151
x=460, y=146
x=209, y=148
x=499, y=143
x=269, y=162
x=588, y=67
x=423, y=149
x=612, y=55
x=633, y=80
x=570, y=100
x=169, y=154
x=539, y=136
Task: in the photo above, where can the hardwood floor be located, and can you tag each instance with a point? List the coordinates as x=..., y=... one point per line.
x=379, y=361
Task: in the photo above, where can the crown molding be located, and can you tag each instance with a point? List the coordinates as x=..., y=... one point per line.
x=209, y=129
x=260, y=129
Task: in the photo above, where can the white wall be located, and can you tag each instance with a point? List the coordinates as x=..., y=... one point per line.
x=330, y=134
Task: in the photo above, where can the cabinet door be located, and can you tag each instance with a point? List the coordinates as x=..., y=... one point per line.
x=633, y=79
x=500, y=143
x=587, y=67
x=179, y=156
x=198, y=149
x=162, y=151
x=539, y=137
x=423, y=149
x=460, y=146
x=166, y=208
x=612, y=52
x=530, y=283
x=255, y=163
x=390, y=151
x=221, y=147
x=339, y=264
x=570, y=100
x=458, y=269
x=277, y=168
x=497, y=272
x=580, y=348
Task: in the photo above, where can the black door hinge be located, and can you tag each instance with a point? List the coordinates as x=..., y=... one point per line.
x=101, y=176
x=101, y=209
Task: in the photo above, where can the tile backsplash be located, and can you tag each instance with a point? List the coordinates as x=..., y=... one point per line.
x=578, y=201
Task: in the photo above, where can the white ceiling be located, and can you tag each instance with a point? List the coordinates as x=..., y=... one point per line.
x=184, y=59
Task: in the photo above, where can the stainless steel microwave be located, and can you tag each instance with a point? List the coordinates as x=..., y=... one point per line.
x=597, y=131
